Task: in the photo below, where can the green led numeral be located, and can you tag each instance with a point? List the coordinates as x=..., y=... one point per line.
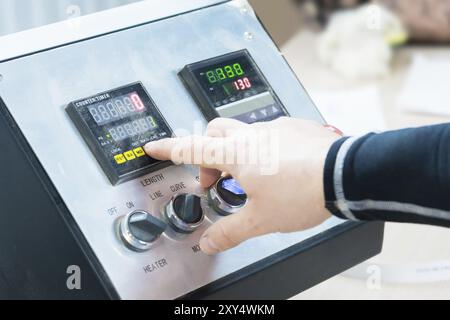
x=211, y=76
x=220, y=74
x=238, y=69
x=153, y=122
x=227, y=72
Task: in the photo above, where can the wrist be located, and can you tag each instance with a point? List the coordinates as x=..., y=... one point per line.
x=329, y=169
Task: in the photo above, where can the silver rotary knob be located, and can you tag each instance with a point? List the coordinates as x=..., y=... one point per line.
x=227, y=197
x=140, y=230
x=184, y=213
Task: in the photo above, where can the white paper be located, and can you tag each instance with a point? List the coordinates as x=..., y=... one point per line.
x=355, y=112
x=427, y=86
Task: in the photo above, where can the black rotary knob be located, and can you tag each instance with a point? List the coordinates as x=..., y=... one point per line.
x=188, y=208
x=227, y=196
x=140, y=230
x=184, y=213
x=231, y=192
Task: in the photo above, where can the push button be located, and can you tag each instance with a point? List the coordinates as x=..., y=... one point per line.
x=129, y=155
x=120, y=159
x=184, y=213
x=139, y=152
x=227, y=197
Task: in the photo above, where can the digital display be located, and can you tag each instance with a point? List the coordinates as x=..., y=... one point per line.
x=230, y=81
x=133, y=128
x=232, y=86
x=116, y=125
x=118, y=108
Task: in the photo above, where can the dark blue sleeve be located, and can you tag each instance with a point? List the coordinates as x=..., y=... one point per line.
x=400, y=176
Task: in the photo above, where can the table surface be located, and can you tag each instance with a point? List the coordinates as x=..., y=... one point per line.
x=403, y=243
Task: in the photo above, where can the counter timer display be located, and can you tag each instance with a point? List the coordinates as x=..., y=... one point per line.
x=116, y=125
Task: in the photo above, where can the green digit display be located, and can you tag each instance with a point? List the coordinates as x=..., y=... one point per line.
x=220, y=74
x=227, y=72
x=211, y=76
x=238, y=69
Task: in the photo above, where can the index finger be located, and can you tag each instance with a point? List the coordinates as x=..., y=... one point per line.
x=207, y=152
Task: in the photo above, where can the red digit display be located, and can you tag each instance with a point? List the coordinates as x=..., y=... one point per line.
x=247, y=83
x=242, y=84
x=137, y=102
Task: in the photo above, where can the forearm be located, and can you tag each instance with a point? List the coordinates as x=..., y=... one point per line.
x=401, y=176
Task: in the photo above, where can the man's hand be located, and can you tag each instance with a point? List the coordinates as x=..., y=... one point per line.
x=279, y=164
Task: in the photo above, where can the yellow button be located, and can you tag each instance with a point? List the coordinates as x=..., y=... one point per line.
x=129, y=155
x=120, y=159
x=139, y=152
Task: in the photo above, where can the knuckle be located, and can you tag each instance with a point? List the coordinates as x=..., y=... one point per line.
x=213, y=128
x=163, y=147
x=227, y=240
x=310, y=123
x=282, y=120
x=255, y=225
x=215, y=122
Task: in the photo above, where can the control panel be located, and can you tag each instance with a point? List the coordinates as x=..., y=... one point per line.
x=91, y=105
x=116, y=125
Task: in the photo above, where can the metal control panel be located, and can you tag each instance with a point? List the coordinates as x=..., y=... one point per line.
x=144, y=227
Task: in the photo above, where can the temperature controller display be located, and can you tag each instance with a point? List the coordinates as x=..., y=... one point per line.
x=116, y=125
x=232, y=86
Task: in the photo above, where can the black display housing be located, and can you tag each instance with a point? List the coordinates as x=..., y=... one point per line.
x=213, y=97
x=123, y=159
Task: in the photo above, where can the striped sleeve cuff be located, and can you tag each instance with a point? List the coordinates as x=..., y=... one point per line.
x=330, y=164
x=356, y=167
x=333, y=179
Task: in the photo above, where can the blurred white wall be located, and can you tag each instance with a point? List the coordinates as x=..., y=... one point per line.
x=18, y=15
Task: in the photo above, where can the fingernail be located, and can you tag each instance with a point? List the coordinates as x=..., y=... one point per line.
x=208, y=246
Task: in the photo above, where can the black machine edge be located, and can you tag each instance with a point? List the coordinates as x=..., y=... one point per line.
x=290, y=270
x=57, y=240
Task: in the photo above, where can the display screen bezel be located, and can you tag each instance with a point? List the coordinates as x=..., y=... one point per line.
x=220, y=98
x=89, y=130
x=197, y=90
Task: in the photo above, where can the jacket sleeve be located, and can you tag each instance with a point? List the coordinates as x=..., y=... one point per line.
x=399, y=176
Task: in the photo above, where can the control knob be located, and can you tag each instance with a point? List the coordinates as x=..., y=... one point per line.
x=227, y=196
x=184, y=213
x=140, y=230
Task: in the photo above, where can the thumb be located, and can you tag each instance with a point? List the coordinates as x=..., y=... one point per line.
x=230, y=232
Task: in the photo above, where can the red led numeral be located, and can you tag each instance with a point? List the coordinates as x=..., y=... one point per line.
x=247, y=83
x=137, y=102
x=242, y=84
